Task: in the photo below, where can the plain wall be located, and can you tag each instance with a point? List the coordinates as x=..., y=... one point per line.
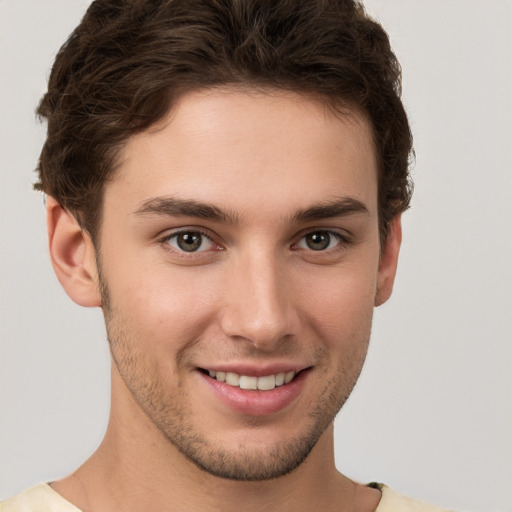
x=432, y=413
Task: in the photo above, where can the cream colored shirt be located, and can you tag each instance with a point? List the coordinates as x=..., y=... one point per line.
x=42, y=498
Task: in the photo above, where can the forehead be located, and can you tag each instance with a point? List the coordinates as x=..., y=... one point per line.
x=239, y=149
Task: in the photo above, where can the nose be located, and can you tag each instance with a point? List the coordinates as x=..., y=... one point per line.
x=258, y=303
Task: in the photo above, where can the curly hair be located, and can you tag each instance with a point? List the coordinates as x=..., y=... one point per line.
x=126, y=64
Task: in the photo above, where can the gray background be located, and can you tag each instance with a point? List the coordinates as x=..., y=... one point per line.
x=432, y=413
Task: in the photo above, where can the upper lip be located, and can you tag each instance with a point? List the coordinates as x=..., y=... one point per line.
x=252, y=370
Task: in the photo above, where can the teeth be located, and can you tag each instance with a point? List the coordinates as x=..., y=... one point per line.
x=232, y=379
x=248, y=382
x=288, y=377
x=265, y=383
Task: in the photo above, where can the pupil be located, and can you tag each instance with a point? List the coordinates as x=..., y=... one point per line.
x=189, y=242
x=318, y=241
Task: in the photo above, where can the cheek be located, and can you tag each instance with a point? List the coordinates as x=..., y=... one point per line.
x=167, y=307
x=339, y=306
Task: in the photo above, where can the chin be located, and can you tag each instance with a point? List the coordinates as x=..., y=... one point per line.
x=249, y=464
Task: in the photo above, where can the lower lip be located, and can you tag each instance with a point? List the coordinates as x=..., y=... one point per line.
x=257, y=403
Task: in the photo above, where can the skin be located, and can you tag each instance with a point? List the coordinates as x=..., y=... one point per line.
x=270, y=171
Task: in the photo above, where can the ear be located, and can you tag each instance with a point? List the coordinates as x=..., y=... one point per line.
x=388, y=262
x=73, y=256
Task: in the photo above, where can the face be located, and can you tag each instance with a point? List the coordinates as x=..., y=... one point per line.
x=239, y=265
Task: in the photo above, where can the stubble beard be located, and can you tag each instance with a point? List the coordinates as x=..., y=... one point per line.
x=176, y=422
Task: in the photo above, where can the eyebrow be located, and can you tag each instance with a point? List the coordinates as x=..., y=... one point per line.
x=337, y=208
x=172, y=206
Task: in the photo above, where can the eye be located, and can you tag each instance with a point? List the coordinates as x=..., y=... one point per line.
x=319, y=240
x=190, y=241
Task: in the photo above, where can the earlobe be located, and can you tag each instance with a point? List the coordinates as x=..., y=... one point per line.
x=72, y=255
x=388, y=262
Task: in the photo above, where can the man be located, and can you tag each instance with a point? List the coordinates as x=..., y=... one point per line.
x=225, y=180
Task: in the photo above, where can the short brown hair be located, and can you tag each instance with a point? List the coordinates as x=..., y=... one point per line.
x=127, y=62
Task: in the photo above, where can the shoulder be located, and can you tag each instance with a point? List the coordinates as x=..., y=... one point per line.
x=392, y=501
x=40, y=498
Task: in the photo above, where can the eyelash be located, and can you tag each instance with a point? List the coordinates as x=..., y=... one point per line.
x=189, y=231
x=342, y=242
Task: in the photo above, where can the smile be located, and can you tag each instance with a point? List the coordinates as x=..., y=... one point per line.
x=263, y=383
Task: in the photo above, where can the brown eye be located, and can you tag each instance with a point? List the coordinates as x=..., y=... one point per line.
x=190, y=241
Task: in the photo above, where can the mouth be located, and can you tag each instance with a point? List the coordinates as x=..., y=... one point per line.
x=248, y=382
x=256, y=391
